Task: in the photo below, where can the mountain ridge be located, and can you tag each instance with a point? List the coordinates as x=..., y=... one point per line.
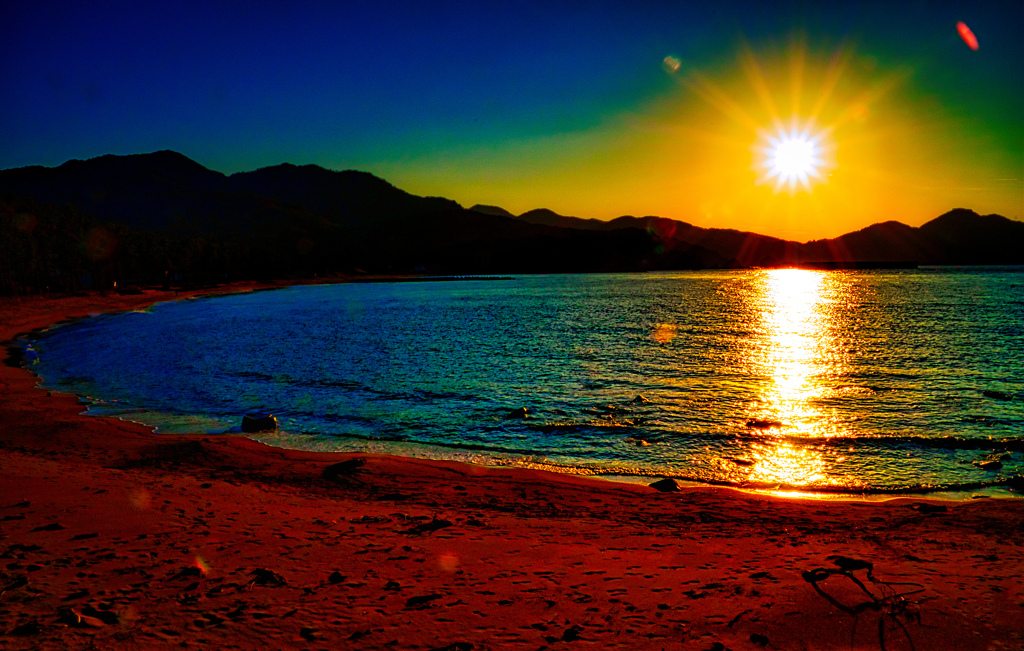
x=165, y=216
x=959, y=236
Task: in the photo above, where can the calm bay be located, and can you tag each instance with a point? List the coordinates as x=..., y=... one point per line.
x=826, y=381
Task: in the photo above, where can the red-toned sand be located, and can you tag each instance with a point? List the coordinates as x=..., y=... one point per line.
x=114, y=537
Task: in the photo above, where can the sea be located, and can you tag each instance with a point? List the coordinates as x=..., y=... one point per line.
x=793, y=381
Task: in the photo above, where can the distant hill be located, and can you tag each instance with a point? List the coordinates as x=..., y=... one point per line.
x=162, y=217
x=960, y=236
x=491, y=210
x=963, y=236
x=153, y=191
x=347, y=197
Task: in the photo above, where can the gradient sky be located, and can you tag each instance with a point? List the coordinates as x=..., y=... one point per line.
x=592, y=109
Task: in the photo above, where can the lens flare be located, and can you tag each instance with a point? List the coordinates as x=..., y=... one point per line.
x=664, y=332
x=202, y=566
x=965, y=33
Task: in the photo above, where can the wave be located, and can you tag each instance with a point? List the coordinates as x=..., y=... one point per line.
x=1014, y=482
x=949, y=442
x=539, y=459
x=911, y=441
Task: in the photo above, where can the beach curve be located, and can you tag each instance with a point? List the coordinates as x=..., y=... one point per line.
x=115, y=536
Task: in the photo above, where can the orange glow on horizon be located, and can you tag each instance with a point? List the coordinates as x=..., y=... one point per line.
x=716, y=149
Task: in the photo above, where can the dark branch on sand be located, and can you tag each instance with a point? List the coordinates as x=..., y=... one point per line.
x=893, y=606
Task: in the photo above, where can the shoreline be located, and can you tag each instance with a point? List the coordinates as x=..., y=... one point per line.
x=122, y=538
x=997, y=488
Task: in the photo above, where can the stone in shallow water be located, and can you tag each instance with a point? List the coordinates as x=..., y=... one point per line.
x=667, y=485
x=757, y=423
x=996, y=395
x=990, y=464
x=517, y=413
x=259, y=421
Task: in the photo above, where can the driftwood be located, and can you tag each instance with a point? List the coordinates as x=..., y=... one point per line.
x=895, y=609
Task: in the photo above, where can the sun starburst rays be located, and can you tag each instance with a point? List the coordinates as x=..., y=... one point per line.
x=790, y=134
x=793, y=154
x=793, y=159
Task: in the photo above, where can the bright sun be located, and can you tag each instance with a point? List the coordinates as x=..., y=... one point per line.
x=793, y=159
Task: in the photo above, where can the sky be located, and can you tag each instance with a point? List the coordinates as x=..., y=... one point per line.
x=591, y=109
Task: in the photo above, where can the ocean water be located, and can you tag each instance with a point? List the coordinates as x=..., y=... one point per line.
x=827, y=381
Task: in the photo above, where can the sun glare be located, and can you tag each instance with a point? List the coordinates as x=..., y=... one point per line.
x=793, y=159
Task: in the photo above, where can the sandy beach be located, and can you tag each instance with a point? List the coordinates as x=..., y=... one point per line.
x=114, y=537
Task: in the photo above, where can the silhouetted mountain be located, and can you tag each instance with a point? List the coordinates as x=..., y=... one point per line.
x=147, y=191
x=162, y=217
x=346, y=198
x=491, y=210
x=963, y=236
x=153, y=191
x=889, y=241
x=734, y=248
x=958, y=237
x=546, y=217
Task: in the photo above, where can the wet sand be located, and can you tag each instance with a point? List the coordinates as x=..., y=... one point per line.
x=114, y=537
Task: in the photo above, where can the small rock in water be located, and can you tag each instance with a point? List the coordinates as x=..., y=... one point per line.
x=517, y=413
x=990, y=464
x=259, y=421
x=757, y=423
x=993, y=461
x=996, y=395
x=640, y=398
x=666, y=485
x=740, y=462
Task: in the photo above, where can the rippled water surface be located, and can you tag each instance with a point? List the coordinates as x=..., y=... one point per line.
x=770, y=378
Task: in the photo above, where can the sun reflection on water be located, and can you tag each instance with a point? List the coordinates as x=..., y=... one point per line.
x=788, y=464
x=795, y=350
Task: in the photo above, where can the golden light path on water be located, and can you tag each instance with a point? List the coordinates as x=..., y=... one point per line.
x=797, y=350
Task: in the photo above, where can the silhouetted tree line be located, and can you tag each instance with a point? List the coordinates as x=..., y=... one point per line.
x=46, y=248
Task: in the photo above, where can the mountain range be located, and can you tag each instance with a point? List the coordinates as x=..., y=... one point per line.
x=163, y=216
